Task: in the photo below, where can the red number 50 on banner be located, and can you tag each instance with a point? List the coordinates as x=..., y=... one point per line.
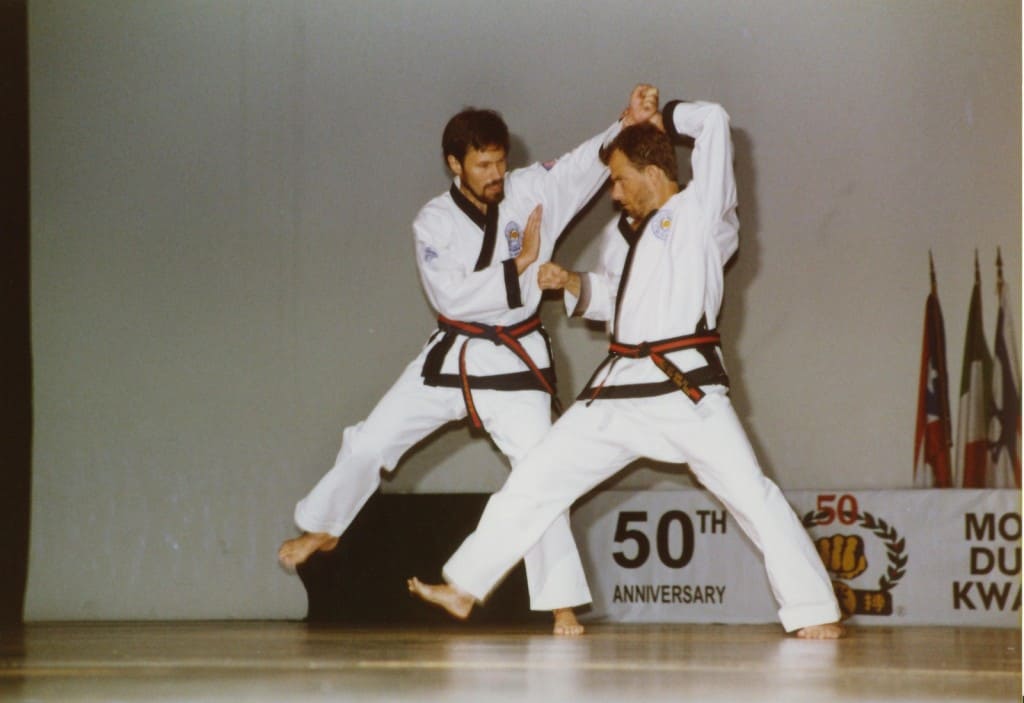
x=845, y=510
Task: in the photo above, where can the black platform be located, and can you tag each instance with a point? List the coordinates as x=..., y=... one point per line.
x=395, y=536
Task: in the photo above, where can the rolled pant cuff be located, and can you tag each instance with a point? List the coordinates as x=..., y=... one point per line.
x=457, y=580
x=307, y=524
x=558, y=584
x=797, y=617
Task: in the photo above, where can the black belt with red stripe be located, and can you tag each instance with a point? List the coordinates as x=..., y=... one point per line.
x=502, y=335
x=689, y=382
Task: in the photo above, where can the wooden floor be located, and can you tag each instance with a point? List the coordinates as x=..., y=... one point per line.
x=281, y=661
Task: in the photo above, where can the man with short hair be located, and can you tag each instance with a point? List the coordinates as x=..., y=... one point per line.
x=662, y=392
x=477, y=247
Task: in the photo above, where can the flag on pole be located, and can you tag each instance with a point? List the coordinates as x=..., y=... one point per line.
x=1004, y=426
x=975, y=397
x=933, y=436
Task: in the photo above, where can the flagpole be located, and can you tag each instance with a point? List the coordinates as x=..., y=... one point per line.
x=999, y=271
x=932, y=433
x=971, y=466
x=1004, y=441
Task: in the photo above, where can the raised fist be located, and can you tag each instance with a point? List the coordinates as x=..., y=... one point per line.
x=843, y=555
x=643, y=105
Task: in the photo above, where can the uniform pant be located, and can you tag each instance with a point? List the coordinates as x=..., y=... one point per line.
x=408, y=412
x=591, y=443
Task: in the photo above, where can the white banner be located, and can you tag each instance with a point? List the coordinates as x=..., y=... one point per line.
x=897, y=557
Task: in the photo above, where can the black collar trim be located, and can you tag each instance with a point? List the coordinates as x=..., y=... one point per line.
x=488, y=222
x=627, y=231
x=632, y=236
x=467, y=206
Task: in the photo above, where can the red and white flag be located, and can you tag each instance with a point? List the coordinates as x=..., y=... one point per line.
x=975, y=397
x=1004, y=425
x=933, y=436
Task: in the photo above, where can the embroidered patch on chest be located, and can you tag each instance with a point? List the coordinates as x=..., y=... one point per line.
x=661, y=224
x=514, y=237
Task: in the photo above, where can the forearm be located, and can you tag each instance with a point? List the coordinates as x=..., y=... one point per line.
x=474, y=296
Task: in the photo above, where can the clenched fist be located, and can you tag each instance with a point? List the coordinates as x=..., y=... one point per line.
x=642, y=107
x=843, y=555
x=551, y=276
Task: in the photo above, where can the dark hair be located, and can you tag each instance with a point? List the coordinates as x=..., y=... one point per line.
x=473, y=128
x=645, y=145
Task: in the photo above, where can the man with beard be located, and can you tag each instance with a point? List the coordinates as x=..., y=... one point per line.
x=477, y=248
x=662, y=392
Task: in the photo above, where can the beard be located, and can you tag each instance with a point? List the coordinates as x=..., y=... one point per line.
x=492, y=193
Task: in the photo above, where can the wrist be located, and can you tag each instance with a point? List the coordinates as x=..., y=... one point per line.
x=572, y=283
x=523, y=262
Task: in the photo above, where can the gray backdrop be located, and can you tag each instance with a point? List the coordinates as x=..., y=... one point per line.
x=222, y=269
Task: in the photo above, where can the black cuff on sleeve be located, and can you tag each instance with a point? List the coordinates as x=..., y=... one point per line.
x=583, y=300
x=666, y=118
x=512, y=291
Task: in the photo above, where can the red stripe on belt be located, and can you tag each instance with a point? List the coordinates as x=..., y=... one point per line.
x=506, y=336
x=637, y=351
x=656, y=351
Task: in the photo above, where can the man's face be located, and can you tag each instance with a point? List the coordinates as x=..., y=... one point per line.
x=631, y=188
x=482, y=173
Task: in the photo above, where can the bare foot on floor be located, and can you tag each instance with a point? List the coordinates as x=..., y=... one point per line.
x=457, y=602
x=566, y=624
x=828, y=631
x=296, y=551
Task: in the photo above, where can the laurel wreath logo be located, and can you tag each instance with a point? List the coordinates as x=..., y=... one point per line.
x=894, y=544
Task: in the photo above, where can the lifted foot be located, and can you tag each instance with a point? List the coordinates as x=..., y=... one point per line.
x=458, y=603
x=296, y=551
x=566, y=624
x=828, y=631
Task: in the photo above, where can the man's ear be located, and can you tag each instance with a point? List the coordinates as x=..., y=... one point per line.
x=454, y=165
x=653, y=173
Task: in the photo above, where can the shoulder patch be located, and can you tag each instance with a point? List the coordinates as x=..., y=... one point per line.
x=661, y=224
x=514, y=237
x=548, y=165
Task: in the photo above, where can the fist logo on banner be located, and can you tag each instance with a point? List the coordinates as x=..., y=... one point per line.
x=845, y=557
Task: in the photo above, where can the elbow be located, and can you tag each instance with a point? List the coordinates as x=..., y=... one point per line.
x=720, y=113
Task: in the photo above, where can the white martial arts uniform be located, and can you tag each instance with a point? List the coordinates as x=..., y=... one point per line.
x=663, y=286
x=466, y=266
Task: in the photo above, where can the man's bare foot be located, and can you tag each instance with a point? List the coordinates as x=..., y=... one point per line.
x=828, y=631
x=457, y=602
x=296, y=551
x=566, y=624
